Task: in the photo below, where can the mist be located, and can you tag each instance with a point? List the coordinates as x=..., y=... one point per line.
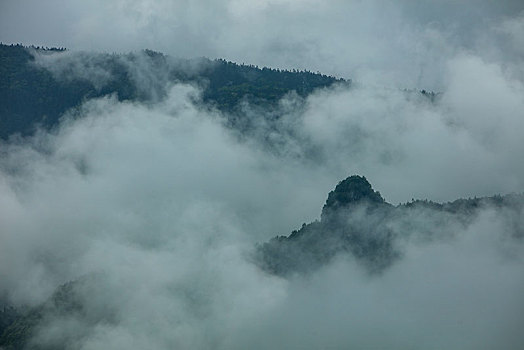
x=154, y=208
x=404, y=43
x=163, y=204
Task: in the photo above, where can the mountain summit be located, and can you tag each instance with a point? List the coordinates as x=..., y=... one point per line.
x=356, y=220
x=354, y=190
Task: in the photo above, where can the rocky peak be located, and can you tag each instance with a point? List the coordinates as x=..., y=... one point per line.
x=353, y=190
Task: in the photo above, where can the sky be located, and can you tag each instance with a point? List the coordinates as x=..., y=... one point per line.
x=158, y=205
x=399, y=43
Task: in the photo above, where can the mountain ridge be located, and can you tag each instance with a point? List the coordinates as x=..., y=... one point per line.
x=38, y=85
x=356, y=220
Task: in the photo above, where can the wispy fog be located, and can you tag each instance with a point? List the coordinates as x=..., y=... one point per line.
x=163, y=204
x=155, y=208
x=402, y=43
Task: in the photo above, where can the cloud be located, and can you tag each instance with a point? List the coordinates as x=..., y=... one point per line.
x=162, y=203
x=450, y=294
x=461, y=145
x=71, y=66
x=402, y=44
x=125, y=169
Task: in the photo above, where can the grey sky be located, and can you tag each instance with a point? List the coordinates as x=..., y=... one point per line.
x=403, y=43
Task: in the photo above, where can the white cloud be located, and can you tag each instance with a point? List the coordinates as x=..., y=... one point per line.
x=162, y=202
x=403, y=44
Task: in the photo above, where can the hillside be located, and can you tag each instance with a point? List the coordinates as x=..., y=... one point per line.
x=356, y=220
x=38, y=85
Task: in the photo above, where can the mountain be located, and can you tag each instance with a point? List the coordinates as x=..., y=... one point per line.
x=38, y=85
x=70, y=302
x=356, y=220
x=353, y=191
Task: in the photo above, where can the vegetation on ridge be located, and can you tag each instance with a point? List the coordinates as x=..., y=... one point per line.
x=31, y=94
x=357, y=220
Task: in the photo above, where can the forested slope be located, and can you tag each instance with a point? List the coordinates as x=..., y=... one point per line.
x=37, y=85
x=356, y=220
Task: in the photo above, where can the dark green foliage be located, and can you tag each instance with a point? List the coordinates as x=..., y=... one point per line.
x=8, y=315
x=356, y=220
x=70, y=301
x=432, y=96
x=20, y=331
x=24, y=325
x=32, y=96
x=352, y=191
x=229, y=83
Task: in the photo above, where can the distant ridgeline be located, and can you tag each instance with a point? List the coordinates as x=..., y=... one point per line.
x=37, y=85
x=356, y=220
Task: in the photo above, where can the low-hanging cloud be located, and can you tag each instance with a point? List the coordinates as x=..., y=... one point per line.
x=161, y=204
x=463, y=143
x=153, y=208
x=125, y=168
